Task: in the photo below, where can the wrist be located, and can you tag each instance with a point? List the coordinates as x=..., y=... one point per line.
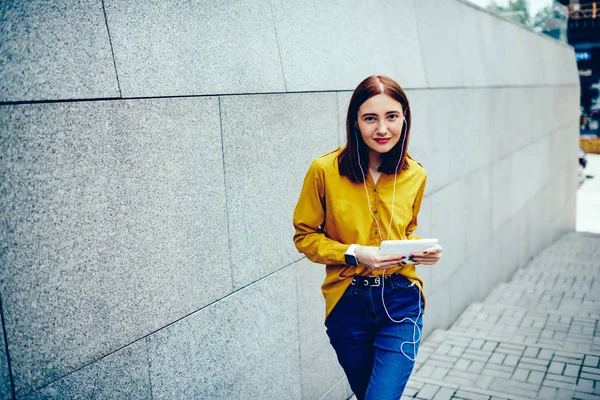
x=358, y=252
x=350, y=255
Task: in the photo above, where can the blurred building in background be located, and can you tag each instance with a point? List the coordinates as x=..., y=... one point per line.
x=584, y=35
x=576, y=22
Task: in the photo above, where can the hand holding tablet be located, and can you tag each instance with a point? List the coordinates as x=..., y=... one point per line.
x=410, y=247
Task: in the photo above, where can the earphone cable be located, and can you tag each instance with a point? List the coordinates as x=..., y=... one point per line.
x=415, y=324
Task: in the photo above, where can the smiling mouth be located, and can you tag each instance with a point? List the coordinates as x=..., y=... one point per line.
x=382, y=141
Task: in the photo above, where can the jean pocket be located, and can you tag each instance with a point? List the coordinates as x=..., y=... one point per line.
x=400, y=282
x=350, y=290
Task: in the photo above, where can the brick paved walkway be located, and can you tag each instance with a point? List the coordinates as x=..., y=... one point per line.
x=535, y=337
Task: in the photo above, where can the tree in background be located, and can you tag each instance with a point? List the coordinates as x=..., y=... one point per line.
x=551, y=20
x=517, y=10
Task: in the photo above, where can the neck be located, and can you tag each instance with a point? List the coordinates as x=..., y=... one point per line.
x=374, y=160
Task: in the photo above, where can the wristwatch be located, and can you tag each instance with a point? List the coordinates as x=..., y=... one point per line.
x=350, y=256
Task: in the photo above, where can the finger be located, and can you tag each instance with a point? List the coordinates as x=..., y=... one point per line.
x=424, y=259
x=432, y=250
x=394, y=264
x=394, y=261
x=390, y=257
x=388, y=264
x=427, y=262
x=436, y=256
x=429, y=255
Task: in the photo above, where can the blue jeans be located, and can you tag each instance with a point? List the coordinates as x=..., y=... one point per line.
x=376, y=353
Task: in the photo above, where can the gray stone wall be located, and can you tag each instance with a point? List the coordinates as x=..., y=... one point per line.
x=152, y=154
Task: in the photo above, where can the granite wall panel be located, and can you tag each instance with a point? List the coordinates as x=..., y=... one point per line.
x=111, y=216
x=351, y=40
x=462, y=141
x=448, y=214
x=434, y=128
x=470, y=57
x=463, y=289
x=55, y=50
x=480, y=129
x=441, y=51
x=343, y=101
x=269, y=142
x=341, y=390
x=319, y=366
x=419, y=138
x=502, y=187
x=478, y=209
x=5, y=384
x=245, y=346
x=180, y=47
x=120, y=375
x=437, y=312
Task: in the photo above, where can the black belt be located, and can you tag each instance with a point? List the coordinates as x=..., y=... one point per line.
x=369, y=280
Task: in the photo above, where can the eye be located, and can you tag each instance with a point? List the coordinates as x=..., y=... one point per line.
x=393, y=117
x=369, y=119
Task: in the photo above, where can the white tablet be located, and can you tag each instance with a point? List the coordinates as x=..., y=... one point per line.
x=406, y=247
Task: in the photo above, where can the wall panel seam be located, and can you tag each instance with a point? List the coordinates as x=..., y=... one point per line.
x=337, y=106
x=420, y=42
x=9, y=366
x=111, y=49
x=225, y=191
x=148, y=362
x=278, y=47
x=299, y=341
x=407, y=88
x=146, y=336
x=96, y=373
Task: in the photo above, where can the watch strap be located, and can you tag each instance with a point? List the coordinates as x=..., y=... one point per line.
x=350, y=255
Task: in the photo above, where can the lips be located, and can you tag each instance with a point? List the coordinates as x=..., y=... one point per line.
x=382, y=141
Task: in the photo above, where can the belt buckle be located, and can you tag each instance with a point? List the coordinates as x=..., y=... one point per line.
x=372, y=281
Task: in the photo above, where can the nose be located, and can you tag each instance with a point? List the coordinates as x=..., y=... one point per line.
x=382, y=129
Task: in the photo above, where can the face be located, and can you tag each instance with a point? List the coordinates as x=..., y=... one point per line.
x=380, y=123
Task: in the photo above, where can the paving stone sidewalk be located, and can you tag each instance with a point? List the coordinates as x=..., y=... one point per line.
x=535, y=337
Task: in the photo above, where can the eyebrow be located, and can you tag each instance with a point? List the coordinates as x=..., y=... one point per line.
x=374, y=114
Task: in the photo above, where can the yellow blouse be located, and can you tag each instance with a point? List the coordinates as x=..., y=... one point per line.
x=333, y=213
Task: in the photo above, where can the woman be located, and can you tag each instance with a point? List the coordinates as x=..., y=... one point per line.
x=352, y=199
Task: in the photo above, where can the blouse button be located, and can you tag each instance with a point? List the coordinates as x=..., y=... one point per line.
x=375, y=211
